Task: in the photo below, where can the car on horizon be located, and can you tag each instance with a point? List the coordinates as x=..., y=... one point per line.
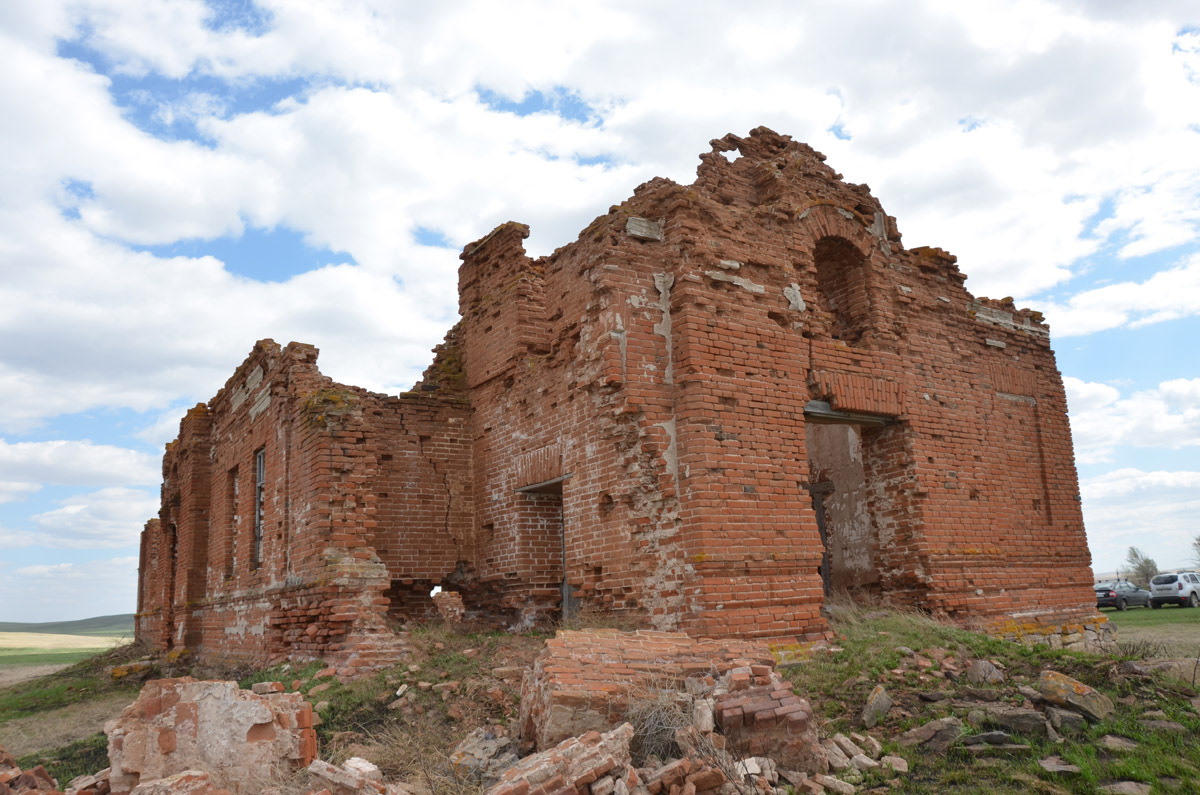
x=1175, y=588
x=1121, y=594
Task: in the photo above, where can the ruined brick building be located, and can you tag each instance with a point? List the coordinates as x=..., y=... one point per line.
x=719, y=404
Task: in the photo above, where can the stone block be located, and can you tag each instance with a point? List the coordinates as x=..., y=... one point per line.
x=238, y=735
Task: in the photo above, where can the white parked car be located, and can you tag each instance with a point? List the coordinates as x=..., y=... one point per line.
x=1175, y=588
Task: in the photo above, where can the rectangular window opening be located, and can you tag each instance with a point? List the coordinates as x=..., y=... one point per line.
x=260, y=490
x=231, y=512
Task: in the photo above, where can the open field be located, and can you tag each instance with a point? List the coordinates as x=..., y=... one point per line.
x=15, y=674
x=1176, y=629
x=28, y=655
x=101, y=626
x=10, y=641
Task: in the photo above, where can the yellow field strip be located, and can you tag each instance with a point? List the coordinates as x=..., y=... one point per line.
x=38, y=640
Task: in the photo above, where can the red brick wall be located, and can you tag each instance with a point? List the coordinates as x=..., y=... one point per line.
x=670, y=371
x=361, y=491
x=650, y=382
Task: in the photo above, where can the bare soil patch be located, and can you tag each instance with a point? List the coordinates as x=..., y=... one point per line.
x=15, y=674
x=58, y=727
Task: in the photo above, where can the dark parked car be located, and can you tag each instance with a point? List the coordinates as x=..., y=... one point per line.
x=1121, y=595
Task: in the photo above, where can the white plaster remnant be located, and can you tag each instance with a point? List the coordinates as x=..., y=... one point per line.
x=996, y=343
x=804, y=214
x=1023, y=399
x=644, y=229
x=943, y=299
x=663, y=282
x=998, y=317
x=906, y=290
x=842, y=211
x=671, y=454
x=261, y=401
x=879, y=227
x=237, y=398
x=729, y=264
x=879, y=230
x=744, y=283
x=794, y=299
x=254, y=378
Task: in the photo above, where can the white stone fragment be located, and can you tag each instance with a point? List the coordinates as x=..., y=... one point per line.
x=644, y=229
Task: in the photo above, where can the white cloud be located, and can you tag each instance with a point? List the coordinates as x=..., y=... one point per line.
x=1102, y=420
x=1126, y=481
x=106, y=519
x=17, y=539
x=1166, y=295
x=980, y=128
x=75, y=463
x=1154, y=511
x=11, y=491
x=69, y=591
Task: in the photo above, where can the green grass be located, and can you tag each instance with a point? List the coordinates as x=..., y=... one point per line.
x=44, y=656
x=81, y=682
x=100, y=626
x=837, y=684
x=80, y=758
x=1146, y=617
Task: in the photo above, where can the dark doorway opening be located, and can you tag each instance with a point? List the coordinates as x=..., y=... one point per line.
x=544, y=537
x=842, y=485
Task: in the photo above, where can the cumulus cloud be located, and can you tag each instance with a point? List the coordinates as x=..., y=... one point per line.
x=1154, y=511
x=1167, y=295
x=980, y=128
x=106, y=519
x=15, y=491
x=75, y=463
x=69, y=591
x=1102, y=420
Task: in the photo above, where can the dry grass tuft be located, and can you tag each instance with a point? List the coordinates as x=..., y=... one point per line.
x=656, y=714
x=591, y=617
x=417, y=753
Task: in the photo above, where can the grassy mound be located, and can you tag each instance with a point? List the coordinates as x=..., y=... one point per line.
x=409, y=717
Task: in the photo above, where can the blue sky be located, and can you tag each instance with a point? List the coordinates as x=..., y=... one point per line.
x=183, y=178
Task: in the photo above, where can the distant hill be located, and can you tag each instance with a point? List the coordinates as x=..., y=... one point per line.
x=110, y=626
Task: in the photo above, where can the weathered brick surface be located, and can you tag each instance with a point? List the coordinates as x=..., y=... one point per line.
x=179, y=725
x=17, y=781
x=587, y=680
x=598, y=679
x=572, y=765
x=647, y=420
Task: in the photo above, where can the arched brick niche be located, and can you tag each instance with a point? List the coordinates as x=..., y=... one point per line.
x=842, y=286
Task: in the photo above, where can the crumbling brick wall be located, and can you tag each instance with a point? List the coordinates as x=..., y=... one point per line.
x=721, y=403
x=282, y=500
x=663, y=365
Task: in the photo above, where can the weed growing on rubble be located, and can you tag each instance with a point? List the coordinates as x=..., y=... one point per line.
x=286, y=672
x=75, y=759
x=872, y=647
x=656, y=715
x=417, y=752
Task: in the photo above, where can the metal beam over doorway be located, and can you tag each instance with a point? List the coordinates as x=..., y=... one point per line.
x=821, y=411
